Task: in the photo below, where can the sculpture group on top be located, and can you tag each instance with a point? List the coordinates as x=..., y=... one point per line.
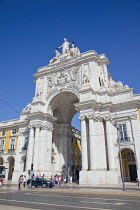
x=66, y=51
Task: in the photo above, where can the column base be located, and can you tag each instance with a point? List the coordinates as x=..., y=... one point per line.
x=92, y=178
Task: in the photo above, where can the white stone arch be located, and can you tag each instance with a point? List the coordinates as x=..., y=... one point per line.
x=11, y=161
x=56, y=93
x=129, y=163
x=61, y=105
x=127, y=147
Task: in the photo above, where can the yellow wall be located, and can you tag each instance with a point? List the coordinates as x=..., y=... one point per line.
x=139, y=114
x=7, y=138
x=76, y=146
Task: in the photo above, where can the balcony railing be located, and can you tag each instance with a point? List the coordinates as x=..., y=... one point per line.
x=125, y=139
x=11, y=150
x=24, y=148
x=1, y=150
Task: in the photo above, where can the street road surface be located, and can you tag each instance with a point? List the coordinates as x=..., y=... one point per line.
x=48, y=199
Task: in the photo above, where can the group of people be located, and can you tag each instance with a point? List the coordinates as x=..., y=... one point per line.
x=61, y=179
x=22, y=182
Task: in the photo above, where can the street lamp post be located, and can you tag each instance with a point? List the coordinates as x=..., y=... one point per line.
x=115, y=124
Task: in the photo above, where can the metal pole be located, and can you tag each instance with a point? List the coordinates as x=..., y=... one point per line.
x=121, y=162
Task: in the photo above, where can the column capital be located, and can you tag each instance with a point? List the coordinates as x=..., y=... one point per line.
x=133, y=117
x=37, y=125
x=107, y=117
x=31, y=126
x=82, y=117
x=90, y=116
x=97, y=118
x=20, y=133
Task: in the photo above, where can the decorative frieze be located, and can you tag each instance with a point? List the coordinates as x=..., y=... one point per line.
x=47, y=127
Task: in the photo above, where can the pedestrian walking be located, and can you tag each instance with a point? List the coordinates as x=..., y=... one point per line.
x=137, y=182
x=24, y=182
x=70, y=179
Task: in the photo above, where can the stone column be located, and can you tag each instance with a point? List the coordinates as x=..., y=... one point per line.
x=100, y=144
x=18, y=170
x=49, y=150
x=45, y=166
x=84, y=144
x=92, y=143
x=30, y=148
x=36, y=148
x=42, y=151
x=110, y=144
x=62, y=167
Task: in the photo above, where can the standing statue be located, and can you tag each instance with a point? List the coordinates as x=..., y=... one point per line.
x=74, y=50
x=65, y=46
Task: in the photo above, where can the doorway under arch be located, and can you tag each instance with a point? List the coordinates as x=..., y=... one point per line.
x=129, y=165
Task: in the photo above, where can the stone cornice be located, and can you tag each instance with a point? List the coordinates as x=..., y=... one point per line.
x=41, y=115
x=68, y=63
x=126, y=103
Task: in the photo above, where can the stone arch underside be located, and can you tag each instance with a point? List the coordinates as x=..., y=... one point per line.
x=62, y=107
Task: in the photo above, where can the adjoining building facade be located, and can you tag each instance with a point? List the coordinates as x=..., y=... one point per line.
x=77, y=82
x=75, y=153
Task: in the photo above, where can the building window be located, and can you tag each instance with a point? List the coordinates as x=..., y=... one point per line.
x=3, y=133
x=71, y=140
x=72, y=161
x=1, y=145
x=75, y=162
x=13, y=131
x=71, y=151
x=123, y=132
x=76, y=152
x=12, y=144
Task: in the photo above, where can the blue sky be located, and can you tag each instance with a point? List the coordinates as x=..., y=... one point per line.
x=30, y=30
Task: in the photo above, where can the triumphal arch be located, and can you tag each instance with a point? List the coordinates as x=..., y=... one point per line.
x=78, y=82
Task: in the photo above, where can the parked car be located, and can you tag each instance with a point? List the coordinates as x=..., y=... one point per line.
x=41, y=181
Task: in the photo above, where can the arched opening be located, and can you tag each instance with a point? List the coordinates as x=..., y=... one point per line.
x=129, y=165
x=62, y=107
x=11, y=167
x=1, y=161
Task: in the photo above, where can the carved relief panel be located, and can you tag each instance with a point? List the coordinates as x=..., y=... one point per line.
x=65, y=78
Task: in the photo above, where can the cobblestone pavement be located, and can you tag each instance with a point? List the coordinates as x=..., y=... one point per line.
x=130, y=189
x=61, y=198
